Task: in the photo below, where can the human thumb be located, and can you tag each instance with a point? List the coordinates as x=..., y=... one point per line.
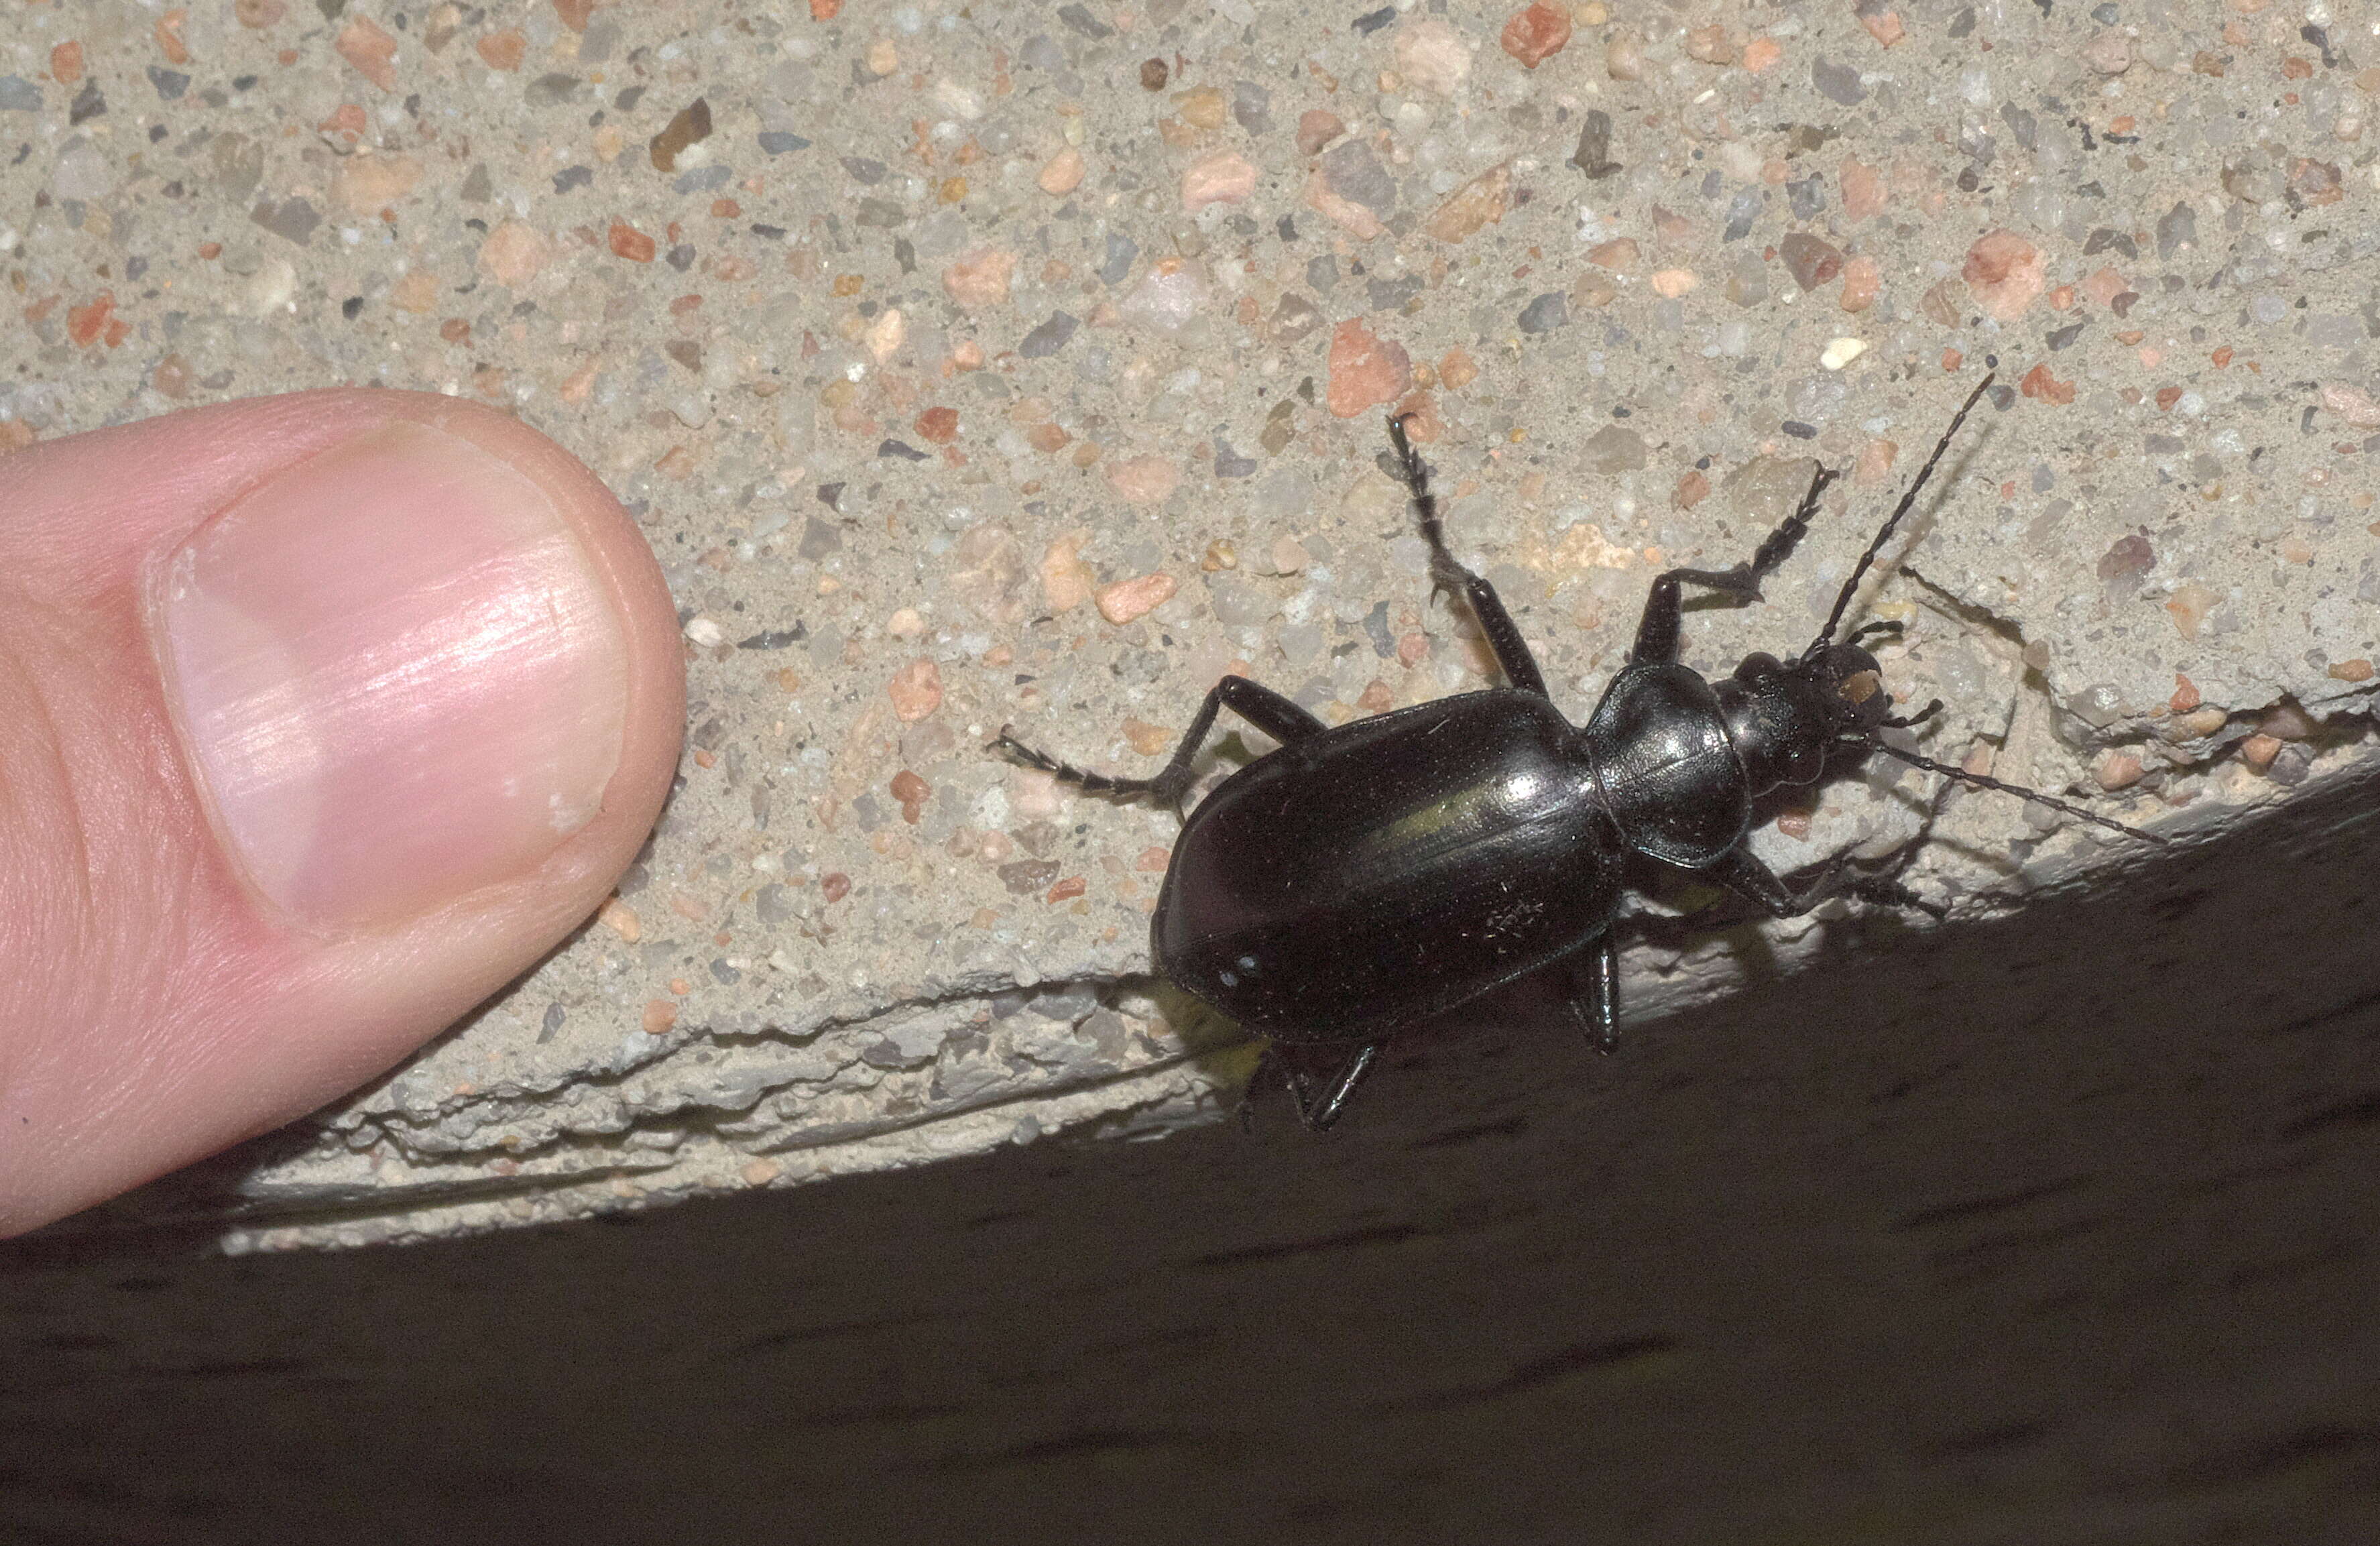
x=320, y=718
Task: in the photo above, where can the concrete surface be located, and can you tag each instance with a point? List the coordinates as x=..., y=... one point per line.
x=1011, y=364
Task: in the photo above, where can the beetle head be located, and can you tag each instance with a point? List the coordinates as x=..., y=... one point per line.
x=1854, y=688
x=1785, y=716
x=1831, y=694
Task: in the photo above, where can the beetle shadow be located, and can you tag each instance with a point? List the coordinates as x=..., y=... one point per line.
x=1705, y=914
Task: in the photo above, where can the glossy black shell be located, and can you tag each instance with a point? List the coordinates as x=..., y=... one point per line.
x=1387, y=869
x=1668, y=772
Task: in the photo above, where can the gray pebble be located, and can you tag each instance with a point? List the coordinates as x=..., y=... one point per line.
x=818, y=538
x=1050, y=337
x=1355, y=175
x=293, y=219
x=1543, y=314
x=1252, y=106
x=1239, y=603
x=1122, y=250
x=1616, y=449
x=1837, y=83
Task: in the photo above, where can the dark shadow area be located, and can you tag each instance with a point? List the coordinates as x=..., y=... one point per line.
x=2058, y=1229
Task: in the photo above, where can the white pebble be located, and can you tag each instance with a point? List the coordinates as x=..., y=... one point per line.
x=1841, y=352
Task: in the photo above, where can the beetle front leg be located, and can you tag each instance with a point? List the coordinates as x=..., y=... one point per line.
x=1657, y=631
x=1259, y=705
x=1758, y=884
x=1449, y=573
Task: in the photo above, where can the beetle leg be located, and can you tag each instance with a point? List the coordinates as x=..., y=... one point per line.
x=1448, y=573
x=1656, y=632
x=1318, y=1111
x=1758, y=884
x=1884, y=892
x=1594, y=994
x=1268, y=1064
x=1259, y=705
x=1903, y=722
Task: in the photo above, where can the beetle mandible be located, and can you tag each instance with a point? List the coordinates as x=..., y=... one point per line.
x=1364, y=877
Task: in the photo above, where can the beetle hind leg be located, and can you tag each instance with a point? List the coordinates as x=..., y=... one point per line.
x=1259, y=705
x=1066, y=773
x=1319, y=1106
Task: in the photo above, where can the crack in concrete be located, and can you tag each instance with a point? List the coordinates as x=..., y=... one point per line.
x=716, y=1078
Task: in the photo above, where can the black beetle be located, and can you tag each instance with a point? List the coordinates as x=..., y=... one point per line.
x=1362, y=879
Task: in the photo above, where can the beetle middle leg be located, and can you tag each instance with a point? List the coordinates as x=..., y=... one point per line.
x=1259, y=705
x=1594, y=992
x=1316, y=1108
x=1448, y=573
x=1657, y=631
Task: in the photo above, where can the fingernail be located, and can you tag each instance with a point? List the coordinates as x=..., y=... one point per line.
x=397, y=672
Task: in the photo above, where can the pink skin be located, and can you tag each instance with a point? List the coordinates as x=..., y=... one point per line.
x=176, y=973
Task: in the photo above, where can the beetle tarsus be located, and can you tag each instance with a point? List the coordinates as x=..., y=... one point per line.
x=1448, y=573
x=1884, y=892
x=1317, y=1108
x=1277, y=716
x=1066, y=773
x=1657, y=630
x=1739, y=871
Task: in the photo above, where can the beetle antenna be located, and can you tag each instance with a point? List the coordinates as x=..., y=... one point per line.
x=1982, y=782
x=1859, y=572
